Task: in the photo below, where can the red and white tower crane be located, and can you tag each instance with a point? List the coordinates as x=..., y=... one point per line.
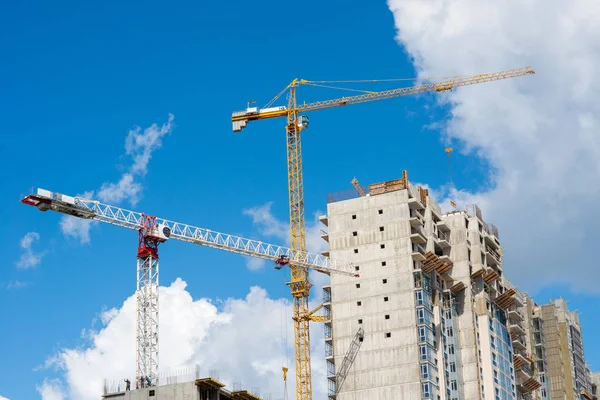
x=153, y=231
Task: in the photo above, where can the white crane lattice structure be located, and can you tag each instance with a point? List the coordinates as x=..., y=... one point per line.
x=154, y=231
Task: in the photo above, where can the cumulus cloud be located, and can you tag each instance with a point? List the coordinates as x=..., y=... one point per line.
x=3, y=398
x=17, y=284
x=139, y=146
x=29, y=257
x=538, y=133
x=255, y=264
x=267, y=223
x=125, y=188
x=76, y=228
x=51, y=389
x=193, y=332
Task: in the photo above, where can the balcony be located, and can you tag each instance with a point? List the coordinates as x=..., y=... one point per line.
x=515, y=315
x=442, y=226
x=325, y=236
x=529, y=385
x=331, y=388
x=329, y=351
x=416, y=218
x=330, y=369
x=328, y=334
x=435, y=263
x=505, y=300
x=539, y=339
x=491, y=240
x=324, y=220
x=518, y=343
x=540, y=353
x=457, y=287
x=414, y=203
x=524, y=373
x=325, y=253
x=519, y=360
x=490, y=275
x=326, y=294
x=327, y=313
x=517, y=328
x=417, y=236
x=492, y=257
x=477, y=273
x=418, y=253
x=443, y=239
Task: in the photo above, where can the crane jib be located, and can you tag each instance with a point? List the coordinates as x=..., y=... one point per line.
x=78, y=207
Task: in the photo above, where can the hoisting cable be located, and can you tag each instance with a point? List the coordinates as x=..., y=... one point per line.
x=392, y=79
x=340, y=88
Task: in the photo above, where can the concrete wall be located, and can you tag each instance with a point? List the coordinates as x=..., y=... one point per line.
x=567, y=360
x=386, y=367
x=595, y=382
x=554, y=353
x=459, y=225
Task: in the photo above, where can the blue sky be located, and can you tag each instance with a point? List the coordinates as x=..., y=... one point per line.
x=76, y=77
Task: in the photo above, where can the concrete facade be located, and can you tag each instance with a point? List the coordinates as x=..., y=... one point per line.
x=430, y=298
x=525, y=325
x=595, y=380
x=567, y=370
x=374, y=233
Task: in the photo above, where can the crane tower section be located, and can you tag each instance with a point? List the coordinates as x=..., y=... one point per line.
x=150, y=236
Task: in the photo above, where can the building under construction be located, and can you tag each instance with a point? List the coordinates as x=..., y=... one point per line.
x=432, y=315
x=439, y=318
x=198, y=389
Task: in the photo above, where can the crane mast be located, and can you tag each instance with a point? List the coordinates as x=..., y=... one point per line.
x=152, y=232
x=147, y=299
x=299, y=284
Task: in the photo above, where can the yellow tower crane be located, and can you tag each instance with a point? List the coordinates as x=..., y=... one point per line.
x=296, y=123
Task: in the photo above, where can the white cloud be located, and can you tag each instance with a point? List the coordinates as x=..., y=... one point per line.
x=194, y=332
x=16, y=285
x=29, y=258
x=269, y=226
x=255, y=264
x=267, y=223
x=51, y=389
x=76, y=228
x=126, y=188
x=538, y=133
x=139, y=146
x=3, y=398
